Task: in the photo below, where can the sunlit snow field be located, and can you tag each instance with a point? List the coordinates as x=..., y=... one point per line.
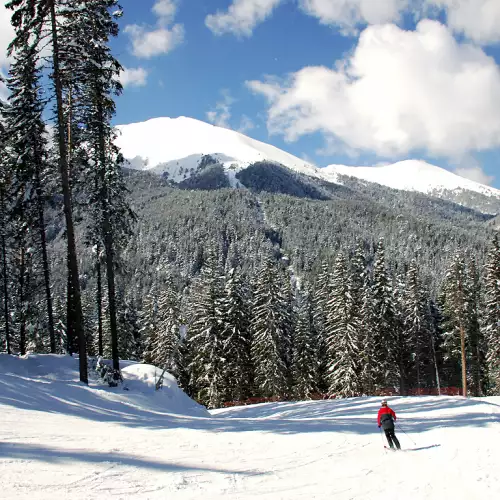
x=60, y=439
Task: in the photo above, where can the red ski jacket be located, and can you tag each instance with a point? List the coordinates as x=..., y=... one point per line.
x=385, y=410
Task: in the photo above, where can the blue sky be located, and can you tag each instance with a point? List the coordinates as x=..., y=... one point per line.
x=355, y=82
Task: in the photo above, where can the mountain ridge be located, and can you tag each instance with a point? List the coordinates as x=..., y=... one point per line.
x=176, y=147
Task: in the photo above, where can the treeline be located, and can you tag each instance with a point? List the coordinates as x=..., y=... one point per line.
x=353, y=331
x=62, y=67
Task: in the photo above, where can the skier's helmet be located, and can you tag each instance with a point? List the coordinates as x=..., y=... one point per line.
x=384, y=402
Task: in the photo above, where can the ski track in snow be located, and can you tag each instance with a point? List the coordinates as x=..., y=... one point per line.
x=60, y=439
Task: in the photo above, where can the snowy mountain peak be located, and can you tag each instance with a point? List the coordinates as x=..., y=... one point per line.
x=157, y=143
x=175, y=147
x=411, y=175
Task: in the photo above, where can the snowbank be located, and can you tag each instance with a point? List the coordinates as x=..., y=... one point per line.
x=51, y=383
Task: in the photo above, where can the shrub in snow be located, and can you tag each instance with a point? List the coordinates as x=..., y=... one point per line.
x=107, y=373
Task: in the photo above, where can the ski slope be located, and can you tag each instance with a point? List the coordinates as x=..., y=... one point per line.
x=60, y=439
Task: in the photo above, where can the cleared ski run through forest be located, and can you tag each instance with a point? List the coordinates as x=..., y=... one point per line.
x=60, y=439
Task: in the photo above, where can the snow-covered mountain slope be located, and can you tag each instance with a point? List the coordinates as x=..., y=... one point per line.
x=176, y=145
x=60, y=439
x=411, y=175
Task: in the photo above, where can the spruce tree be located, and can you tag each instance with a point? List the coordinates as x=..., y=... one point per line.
x=491, y=315
x=456, y=316
x=269, y=330
x=96, y=23
x=304, y=350
x=320, y=297
x=416, y=356
x=28, y=153
x=163, y=344
x=205, y=336
x=343, y=328
x=236, y=335
x=4, y=222
x=386, y=369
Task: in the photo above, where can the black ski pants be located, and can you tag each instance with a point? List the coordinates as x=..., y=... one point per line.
x=391, y=438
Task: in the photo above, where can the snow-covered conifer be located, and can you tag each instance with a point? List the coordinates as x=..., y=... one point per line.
x=270, y=335
x=491, y=316
x=343, y=329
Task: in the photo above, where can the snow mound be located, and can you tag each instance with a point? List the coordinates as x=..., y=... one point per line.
x=47, y=382
x=410, y=175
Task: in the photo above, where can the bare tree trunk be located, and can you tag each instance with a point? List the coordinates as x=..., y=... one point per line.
x=45, y=259
x=63, y=167
x=5, y=278
x=99, y=302
x=22, y=328
x=110, y=272
x=464, y=361
x=438, y=382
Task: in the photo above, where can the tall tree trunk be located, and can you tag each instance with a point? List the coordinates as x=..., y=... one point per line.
x=63, y=167
x=5, y=277
x=22, y=327
x=464, y=361
x=434, y=358
x=45, y=259
x=99, y=302
x=110, y=272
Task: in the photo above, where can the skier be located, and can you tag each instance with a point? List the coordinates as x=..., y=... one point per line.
x=386, y=418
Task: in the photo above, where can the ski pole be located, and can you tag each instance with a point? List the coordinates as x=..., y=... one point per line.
x=382, y=437
x=402, y=430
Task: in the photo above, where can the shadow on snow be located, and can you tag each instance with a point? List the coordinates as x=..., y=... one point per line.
x=54, y=455
x=347, y=415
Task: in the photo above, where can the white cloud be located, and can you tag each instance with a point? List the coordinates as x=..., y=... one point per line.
x=349, y=14
x=478, y=20
x=165, y=10
x=149, y=42
x=399, y=92
x=133, y=77
x=221, y=114
x=241, y=17
x=476, y=174
x=246, y=124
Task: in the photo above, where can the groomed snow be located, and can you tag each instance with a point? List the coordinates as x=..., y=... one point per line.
x=410, y=175
x=60, y=440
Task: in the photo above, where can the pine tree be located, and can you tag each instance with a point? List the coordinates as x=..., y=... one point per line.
x=491, y=315
x=163, y=344
x=236, y=335
x=205, y=336
x=28, y=153
x=343, y=328
x=386, y=370
x=456, y=315
x=4, y=221
x=476, y=342
x=416, y=327
x=304, y=350
x=269, y=328
x=320, y=296
x=95, y=21
x=368, y=372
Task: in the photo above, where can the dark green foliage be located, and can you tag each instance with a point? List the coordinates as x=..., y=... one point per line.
x=274, y=178
x=211, y=177
x=270, y=322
